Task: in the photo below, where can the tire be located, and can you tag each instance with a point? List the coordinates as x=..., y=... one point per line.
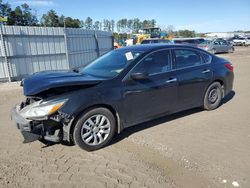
x=213, y=51
x=94, y=129
x=212, y=96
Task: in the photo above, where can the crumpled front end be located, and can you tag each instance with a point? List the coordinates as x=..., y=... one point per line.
x=53, y=127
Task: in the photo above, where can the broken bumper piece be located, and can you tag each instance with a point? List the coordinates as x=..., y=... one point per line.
x=33, y=130
x=29, y=131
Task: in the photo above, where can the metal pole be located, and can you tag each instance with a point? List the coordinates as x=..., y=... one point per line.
x=97, y=45
x=3, y=48
x=66, y=46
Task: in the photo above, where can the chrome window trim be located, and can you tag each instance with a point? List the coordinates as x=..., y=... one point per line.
x=189, y=67
x=172, y=60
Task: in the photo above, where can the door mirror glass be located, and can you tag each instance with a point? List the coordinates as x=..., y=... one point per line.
x=139, y=76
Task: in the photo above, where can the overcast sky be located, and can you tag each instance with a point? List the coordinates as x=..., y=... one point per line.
x=198, y=15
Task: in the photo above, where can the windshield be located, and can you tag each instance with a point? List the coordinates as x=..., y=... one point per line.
x=200, y=41
x=206, y=42
x=146, y=42
x=110, y=64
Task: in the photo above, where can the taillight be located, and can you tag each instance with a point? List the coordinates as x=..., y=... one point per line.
x=229, y=66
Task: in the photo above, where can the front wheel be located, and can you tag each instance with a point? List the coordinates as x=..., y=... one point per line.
x=95, y=129
x=212, y=96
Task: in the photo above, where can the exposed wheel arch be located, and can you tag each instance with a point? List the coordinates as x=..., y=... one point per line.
x=222, y=85
x=110, y=108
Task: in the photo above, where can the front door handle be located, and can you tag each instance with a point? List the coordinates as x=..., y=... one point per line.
x=206, y=71
x=171, y=80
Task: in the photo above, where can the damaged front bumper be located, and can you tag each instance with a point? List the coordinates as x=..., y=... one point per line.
x=36, y=130
x=30, y=133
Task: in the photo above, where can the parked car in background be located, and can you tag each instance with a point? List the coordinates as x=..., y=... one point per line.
x=243, y=41
x=188, y=41
x=217, y=46
x=154, y=41
x=122, y=88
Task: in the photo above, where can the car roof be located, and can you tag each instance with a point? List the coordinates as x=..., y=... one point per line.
x=194, y=38
x=153, y=39
x=152, y=47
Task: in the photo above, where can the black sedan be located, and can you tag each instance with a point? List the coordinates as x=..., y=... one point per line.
x=122, y=88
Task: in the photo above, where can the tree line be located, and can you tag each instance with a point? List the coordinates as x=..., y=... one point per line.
x=23, y=15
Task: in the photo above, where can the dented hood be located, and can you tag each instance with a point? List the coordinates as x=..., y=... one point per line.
x=46, y=80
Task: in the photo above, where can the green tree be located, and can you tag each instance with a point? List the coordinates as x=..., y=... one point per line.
x=186, y=33
x=97, y=25
x=29, y=19
x=153, y=23
x=137, y=25
x=118, y=25
x=62, y=21
x=112, y=25
x=82, y=25
x=23, y=16
x=15, y=17
x=5, y=9
x=130, y=25
x=88, y=23
x=145, y=24
x=51, y=19
x=72, y=23
x=106, y=25
x=122, y=25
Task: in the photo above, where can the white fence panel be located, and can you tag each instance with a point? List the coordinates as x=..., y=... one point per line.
x=34, y=49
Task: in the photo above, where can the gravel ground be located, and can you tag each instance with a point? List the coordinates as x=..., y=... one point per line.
x=190, y=149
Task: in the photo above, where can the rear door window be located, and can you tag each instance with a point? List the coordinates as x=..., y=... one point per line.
x=216, y=43
x=207, y=58
x=187, y=58
x=223, y=42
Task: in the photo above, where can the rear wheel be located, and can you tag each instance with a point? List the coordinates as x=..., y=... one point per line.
x=212, y=96
x=213, y=51
x=95, y=129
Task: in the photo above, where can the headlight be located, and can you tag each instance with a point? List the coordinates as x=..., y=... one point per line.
x=42, y=109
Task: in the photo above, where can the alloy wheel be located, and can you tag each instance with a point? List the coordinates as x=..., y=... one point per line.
x=95, y=130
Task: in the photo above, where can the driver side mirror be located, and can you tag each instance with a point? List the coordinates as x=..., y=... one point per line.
x=139, y=76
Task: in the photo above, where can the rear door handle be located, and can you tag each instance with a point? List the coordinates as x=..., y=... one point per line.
x=171, y=80
x=206, y=71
